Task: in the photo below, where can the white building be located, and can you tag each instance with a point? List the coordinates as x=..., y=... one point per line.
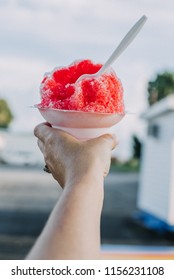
x=19, y=148
x=156, y=189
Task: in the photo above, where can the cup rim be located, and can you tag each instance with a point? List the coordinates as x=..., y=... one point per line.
x=77, y=111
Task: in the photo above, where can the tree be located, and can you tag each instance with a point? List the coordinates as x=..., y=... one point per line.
x=5, y=114
x=159, y=88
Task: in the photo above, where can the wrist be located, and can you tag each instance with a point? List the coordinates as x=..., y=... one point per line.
x=89, y=177
x=89, y=188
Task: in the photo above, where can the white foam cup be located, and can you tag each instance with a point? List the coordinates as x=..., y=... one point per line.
x=82, y=125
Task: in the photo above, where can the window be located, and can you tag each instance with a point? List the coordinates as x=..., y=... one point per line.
x=154, y=130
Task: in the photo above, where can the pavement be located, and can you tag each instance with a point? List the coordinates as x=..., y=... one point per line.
x=27, y=196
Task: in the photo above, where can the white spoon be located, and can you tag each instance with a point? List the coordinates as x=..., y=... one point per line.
x=121, y=47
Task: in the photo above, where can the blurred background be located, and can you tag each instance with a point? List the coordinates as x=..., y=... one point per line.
x=36, y=37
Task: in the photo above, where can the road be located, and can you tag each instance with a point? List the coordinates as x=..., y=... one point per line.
x=27, y=196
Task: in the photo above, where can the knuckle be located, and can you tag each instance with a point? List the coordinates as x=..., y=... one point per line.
x=111, y=139
x=36, y=130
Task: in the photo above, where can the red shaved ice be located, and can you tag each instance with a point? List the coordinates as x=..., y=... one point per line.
x=103, y=94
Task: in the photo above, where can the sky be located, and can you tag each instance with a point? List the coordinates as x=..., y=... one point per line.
x=39, y=35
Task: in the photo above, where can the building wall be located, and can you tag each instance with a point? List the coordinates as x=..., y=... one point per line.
x=156, y=186
x=19, y=148
x=171, y=198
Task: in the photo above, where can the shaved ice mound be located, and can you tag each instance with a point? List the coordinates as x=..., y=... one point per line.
x=104, y=94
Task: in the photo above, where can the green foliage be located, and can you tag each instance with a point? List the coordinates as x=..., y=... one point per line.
x=159, y=88
x=5, y=114
x=131, y=165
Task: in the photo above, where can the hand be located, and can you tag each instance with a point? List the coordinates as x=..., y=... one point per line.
x=71, y=160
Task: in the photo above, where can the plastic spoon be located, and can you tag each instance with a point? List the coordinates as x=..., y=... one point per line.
x=121, y=47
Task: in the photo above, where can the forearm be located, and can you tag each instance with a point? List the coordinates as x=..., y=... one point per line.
x=73, y=229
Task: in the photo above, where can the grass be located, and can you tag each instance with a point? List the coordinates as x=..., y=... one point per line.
x=133, y=165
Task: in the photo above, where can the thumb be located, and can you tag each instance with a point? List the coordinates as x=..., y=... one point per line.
x=110, y=139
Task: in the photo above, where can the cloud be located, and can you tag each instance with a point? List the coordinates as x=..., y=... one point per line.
x=64, y=21
x=19, y=84
x=38, y=35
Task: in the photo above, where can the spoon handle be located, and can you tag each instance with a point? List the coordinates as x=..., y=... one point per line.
x=124, y=43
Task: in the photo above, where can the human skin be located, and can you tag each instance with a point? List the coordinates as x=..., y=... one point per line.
x=73, y=228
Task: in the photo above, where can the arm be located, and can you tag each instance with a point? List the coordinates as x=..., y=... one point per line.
x=73, y=228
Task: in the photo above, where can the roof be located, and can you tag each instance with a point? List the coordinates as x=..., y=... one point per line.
x=161, y=107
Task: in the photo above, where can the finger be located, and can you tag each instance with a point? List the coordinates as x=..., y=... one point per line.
x=110, y=139
x=42, y=130
x=41, y=145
